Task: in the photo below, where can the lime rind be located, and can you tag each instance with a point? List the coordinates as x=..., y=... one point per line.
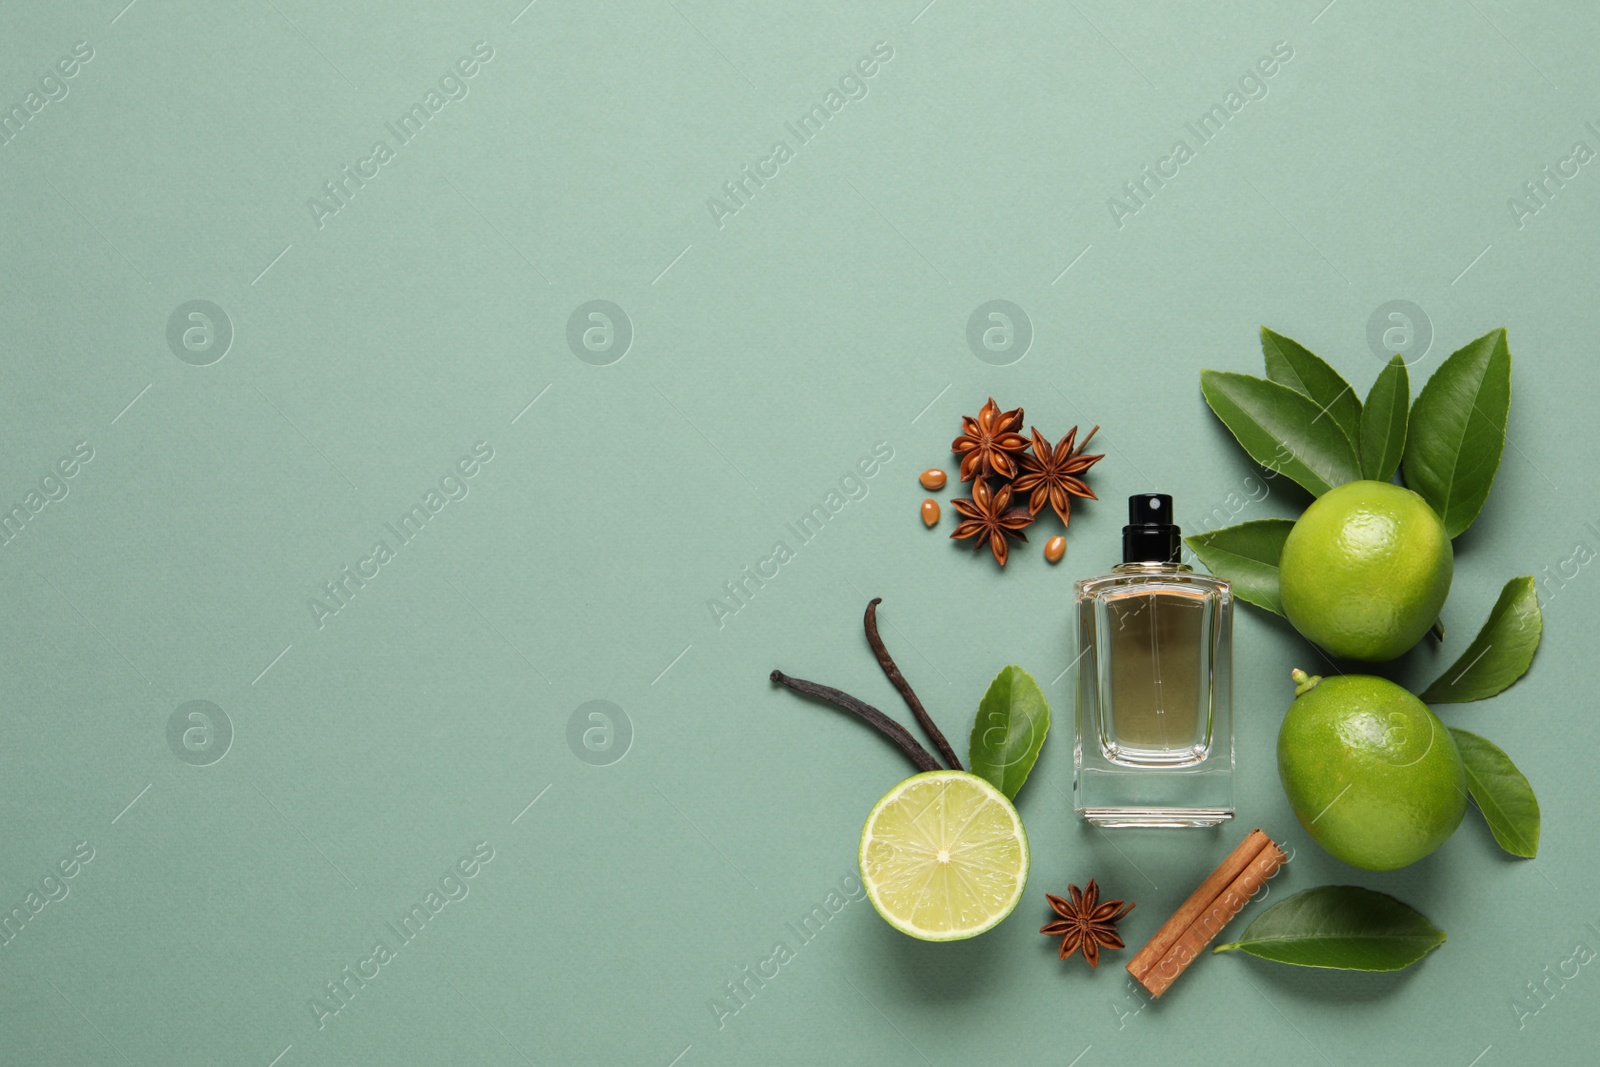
x=944, y=856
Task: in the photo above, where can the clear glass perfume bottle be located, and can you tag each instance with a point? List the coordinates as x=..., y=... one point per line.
x=1155, y=698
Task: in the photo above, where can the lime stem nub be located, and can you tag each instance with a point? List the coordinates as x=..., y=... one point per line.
x=1304, y=683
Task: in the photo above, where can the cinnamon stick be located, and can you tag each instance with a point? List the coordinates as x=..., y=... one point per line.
x=1205, y=929
x=1201, y=899
x=1208, y=909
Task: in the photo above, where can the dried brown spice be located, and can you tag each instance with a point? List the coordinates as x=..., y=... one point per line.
x=1086, y=923
x=1052, y=475
x=989, y=517
x=891, y=671
x=920, y=757
x=989, y=444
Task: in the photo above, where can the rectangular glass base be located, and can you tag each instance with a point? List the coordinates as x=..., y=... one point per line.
x=1172, y=817
x=1108, y=795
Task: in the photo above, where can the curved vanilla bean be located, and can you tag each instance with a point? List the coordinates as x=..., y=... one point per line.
x=898, y=680
x=871, y=715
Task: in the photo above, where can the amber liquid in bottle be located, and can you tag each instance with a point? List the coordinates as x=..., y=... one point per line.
x=1157, y=653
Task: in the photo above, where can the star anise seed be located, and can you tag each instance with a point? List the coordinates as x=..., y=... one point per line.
x=988, y=516
x=988, y=444
x=1051, y=475
x=1086, y=924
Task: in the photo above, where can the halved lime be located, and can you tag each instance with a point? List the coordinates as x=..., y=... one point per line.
x=944, y=856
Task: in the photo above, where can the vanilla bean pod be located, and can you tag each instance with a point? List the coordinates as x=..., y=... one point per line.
x=866, y=712
x=898, y=680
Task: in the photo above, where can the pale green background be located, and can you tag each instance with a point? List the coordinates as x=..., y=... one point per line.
x=768, y=357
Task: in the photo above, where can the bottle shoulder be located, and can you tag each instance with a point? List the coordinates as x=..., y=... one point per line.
x=1153, y=579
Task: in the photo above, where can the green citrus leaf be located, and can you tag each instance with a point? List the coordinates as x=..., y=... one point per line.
x=1013, y=719
x=1500, y=654
x=1501, y=793
x=1458, y=430
x=1383, y=422
x=1247, y=556
x=1343, y=927
x=1282, y=430
x=1291, y=363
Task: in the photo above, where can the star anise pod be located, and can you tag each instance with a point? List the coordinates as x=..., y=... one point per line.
x=990, y=516
x=1086, y=923
x=1052, y=474
x=988, y=442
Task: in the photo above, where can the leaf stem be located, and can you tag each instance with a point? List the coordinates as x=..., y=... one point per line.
x=898, y=680
x=867, y=713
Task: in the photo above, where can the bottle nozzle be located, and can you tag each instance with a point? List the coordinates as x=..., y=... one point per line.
x=1151, y=536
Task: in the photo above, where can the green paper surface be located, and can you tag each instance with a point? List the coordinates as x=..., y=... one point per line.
x=635, y=403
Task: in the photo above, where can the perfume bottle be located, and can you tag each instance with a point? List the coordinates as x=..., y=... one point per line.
x=1155, y=701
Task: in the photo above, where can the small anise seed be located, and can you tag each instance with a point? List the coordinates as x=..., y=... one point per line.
x=932, y=478
x=1055, y=548
x=930, y=512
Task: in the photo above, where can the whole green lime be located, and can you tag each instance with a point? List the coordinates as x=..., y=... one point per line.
x=1365, y=570
x=1371, y=772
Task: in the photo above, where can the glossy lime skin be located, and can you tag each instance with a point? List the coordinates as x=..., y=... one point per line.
x=1366, y=570
x=1371, y=772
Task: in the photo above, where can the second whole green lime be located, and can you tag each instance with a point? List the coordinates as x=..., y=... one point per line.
x=1371, y=772
x=1366, y=570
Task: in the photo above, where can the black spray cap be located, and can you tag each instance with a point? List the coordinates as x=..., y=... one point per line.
x=1151, y=536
